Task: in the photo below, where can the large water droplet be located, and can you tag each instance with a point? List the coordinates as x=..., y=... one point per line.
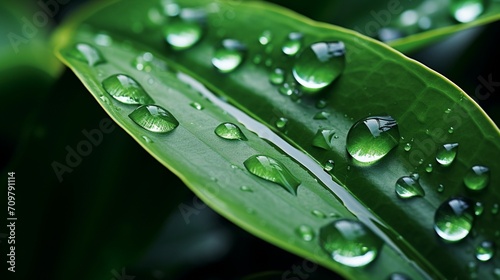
x=229, y=131
x=446, y=154
x=466, y=10
x=86, y=53
x=485, y=251
x=324, y=139
x=182, y=35
x=372, y=138
x=406, y=187
x=154, y=118
x=477, y=178
x=350, y=242
x=277, y=76
x=293, y=44
x=272, y=170
x=126, y=90
x=318, y=65
x=305, y=232
x=265, y=37
x=229, y=56
x=453, y=219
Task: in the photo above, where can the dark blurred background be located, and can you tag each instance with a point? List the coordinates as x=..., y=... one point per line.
x=121, y=214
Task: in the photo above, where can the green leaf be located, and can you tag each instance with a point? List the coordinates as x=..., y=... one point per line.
x=433, y=21
x=376, y=81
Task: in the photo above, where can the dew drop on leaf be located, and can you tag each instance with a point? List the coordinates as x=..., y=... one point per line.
x=453, y=219
x=321, y=115
x=318, y=65
x=372, y=138
x=429, y=168
x=305, y=232
x=440, y=188
x=293, y=44
x=446, y=154
x=154, y=118
x=478, y=208
x=477, y=178
x=398, y=276
x=466, y=10
x=126, y=90
x=406, y=187
x=147, y=139
x=324, y=139
x=265, y=37
x=181, y=35
x=485, y=251
x=350, y=242
x=229, y=131
x=86, y=53
x=329, y=165
x=281, y=123
x=272, y=170
x=277, y=76
x=196, y=105
x=229, y=55
x=246, y=189
x=318, y=214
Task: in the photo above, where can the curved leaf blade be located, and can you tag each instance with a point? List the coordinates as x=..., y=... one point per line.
x=423, y=107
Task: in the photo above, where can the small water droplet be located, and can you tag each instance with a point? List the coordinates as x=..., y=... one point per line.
x=277, y=76
x=407, y=147
x=494, y=209
x=485, y=251
x=324, y=139
x=318, y=214
x=496, y=272
x=103, y=39
x=415, y=176
x=171, y=9
x=104, y=99
x=406, y=187
x=477, y=178
x=270, y=169
x=451, y=130
x=154, y=118
x=229, y=56
x=265, y=37
x=146, y=62
x=293, y=44
x=246, y=189
x=281, y=123
x=86, y=53
x=318, y=65
x=329, y=165
x=387, y=34
x=371, y=138
x=229, y=131
x=453, y=219
x=466, y=10
x=321, y=104
x=399, y=276
x=286, y=89
x=440, y=188
x=147, y=139
x=305, y=232
x=428, y=168
x=196, y=105
x=350, y=242
x=478, y=208
x=321, y=115
x=446, y=154
x=447, y=111
x=181, y=35
x=126, y=90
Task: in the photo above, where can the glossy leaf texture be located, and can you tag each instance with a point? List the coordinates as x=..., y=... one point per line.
x=404, y=24
x=281, y=124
